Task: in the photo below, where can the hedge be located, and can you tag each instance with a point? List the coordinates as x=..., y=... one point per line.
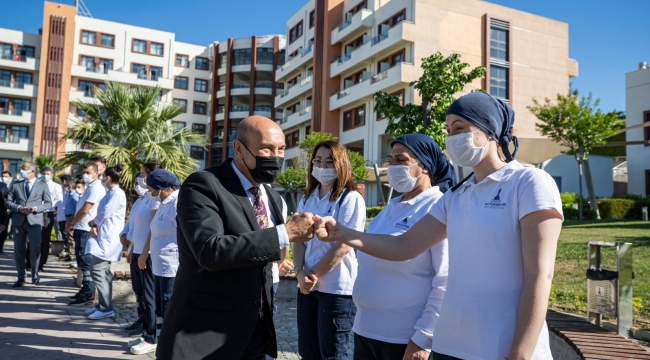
x=371, y=212
x=616, y=208
x=574, y=214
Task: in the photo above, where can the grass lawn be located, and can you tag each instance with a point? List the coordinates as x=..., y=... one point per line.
x=570, y=285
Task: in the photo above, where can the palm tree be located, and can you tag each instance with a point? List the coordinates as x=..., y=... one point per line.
x=45, y=160
x=130, y=127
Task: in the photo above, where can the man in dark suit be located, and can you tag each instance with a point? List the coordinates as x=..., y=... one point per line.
x=3, y=215
x=27, y=200
x=230, y=229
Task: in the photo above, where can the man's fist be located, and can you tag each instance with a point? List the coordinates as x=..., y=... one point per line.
x=300, y=227
x=326, y=229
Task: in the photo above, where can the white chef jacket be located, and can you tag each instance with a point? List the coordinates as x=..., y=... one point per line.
x=56, y=193
x=138, y=227
x=95, y=191
x=486, y=274
x=398, y=301
x=111, y=211
x=352, y=214
x=164, y=246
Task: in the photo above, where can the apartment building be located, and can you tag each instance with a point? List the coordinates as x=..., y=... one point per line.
x=19, y=79
x=245, y=85
x=340, y=52
x=637, y=111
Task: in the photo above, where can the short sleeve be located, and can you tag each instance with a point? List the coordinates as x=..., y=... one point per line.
x=352, y=213
x=96, y=195
x=538, y=191
x=440, y=208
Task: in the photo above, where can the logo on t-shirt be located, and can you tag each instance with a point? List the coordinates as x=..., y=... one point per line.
x=496, y=202
x=404, y=224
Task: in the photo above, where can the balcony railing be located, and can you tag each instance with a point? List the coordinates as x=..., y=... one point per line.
x=344, y=58
x=6, y=56
x=264, y=85
x=12, y=139
x=241, y=85
x=379, y=77
x=265, y=108
x=379, y=38
x=265, y=62
x=97, y=69
x=305, y=110
x=15, y=112
x=15, y=84
x=306, y=52
x=305, y=80
x=241, y=62
x=345, y=24
x=236, y=108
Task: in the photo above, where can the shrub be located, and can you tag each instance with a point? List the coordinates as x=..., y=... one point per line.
x=372, y=212
x=615, y=208
x=568, y=199
x=574, y=214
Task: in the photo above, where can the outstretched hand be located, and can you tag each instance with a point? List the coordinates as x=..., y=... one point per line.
x=327, y=229
x=300, y=227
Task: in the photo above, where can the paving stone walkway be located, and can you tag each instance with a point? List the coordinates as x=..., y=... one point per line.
x=37, y=323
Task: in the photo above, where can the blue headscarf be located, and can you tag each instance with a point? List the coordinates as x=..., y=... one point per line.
x=430, y=155
x=490, y=114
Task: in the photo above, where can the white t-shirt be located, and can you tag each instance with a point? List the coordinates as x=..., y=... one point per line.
x=398, y=301
x=352, y=214
x=163, y=245
x=109, y=220
x=486, y=273
x=137, y=228
x=94, y=193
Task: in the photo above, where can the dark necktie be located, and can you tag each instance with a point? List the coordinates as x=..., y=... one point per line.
x=263, y=223
x=28, y=191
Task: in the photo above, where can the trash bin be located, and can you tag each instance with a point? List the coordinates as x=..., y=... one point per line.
x=609, y=292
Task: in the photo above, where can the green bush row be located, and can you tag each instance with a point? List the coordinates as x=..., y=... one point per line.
x=622, y=208
x=574, y=214
x=372, y=212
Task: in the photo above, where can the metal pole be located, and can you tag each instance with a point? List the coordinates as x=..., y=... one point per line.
x=580, y=187
x=381, y=189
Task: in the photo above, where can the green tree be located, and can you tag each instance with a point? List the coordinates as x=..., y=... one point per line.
x=577, y=124
x=130, y=127
x=441, y=80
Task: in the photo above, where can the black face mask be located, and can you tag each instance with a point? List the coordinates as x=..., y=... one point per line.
x=266, y=168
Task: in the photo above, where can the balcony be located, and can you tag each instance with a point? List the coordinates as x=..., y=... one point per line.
x=400, y=35
x=296, y=90
x=222, y=70
x=18, y=117
x=262, y=110
x=220, y=113
x=401, y=74
x=264, y=66
x=240, y=88
x=90, y=72
x=264, y=88
x=294, y=119
x=239, y=112
x=295, y=63
x=14, y=143
x=87, y=96
x=124, y=77
x=24, y=63
x=242, y=65
x=18, y=89
x=353, y=27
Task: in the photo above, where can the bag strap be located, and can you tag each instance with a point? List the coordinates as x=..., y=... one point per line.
x=343, y=195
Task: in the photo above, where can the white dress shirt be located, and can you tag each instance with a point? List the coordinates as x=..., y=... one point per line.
x=111, y=212
x=164, y=245
x=60, y=209
x=31, y=184
x=56, y=193
x=94, y=193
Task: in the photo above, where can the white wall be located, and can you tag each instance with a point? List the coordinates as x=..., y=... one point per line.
x=637, y=100
x=565, y=168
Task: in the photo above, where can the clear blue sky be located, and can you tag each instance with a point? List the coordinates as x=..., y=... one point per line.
x=608, y=38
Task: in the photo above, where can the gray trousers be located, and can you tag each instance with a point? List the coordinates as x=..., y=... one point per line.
x=101, y=273
x=23, y=233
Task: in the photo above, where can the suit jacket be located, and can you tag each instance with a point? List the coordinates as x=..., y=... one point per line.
x=225, y=262
x=4, y=189
x=39, y=198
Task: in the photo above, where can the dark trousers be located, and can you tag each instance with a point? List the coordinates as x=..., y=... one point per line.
x=164, y=290
x=49, y=219
x=65, y=234
x=324, y=325
x=4, y=233
x=21, y=235
x=255, y=350
x=275, y=290
x=371, y=349
x=436, y=356
x=145, y=293
x=84, y=262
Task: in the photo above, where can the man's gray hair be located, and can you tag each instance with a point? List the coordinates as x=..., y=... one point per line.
x=32, y=166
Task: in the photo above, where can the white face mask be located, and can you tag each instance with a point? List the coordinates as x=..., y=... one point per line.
x=399, y=177
x=87, y=178
x=324, y=176
x=79, y=191
x=6, y=180
x=462, y=151
x=141, y=183
x=140, y=191
x=24, y=174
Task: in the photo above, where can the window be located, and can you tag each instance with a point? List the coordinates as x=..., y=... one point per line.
x=18, y=132
x=353, y=79
x=6, y=51
x=156, y=49
x=400, y=96
x=200, y=107
x=139, y=46
x=499, y=58
x=182, y=103
x=26, y=51
x=295, y=32
x=202, y=63
x=197, y=153
x=139, y=69
x=361, y=5
x=178, y=125
x=107, y=64
x=291, y=139
x=182, y=60
x=88, y=37
x=180, y=82
x=198, y=128
x=15, y=166
x=499, y=81
x=87, y=88
x=155, y=72
x=354, y=118
x=21, y=105
x=281, y=57
x=307, y=129
x=394, y=20
x=646, y=132
x=201, y=85
x=354, y=44
x=241, y=57
x=312, y=18
x=265, y=56
x=223, y=60
x=107, y=40
x=88, y=62
x=23, y=78
x=389, y=62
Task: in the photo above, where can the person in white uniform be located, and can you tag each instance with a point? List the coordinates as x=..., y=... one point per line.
x=326, y=271
x=398, y=303
x=134, y=236
x=502, y=223
x=49, y=216
x=104, y=244
x=162, y=246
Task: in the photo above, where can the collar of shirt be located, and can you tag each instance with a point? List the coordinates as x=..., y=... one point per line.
x=94, y=183
x=170, y=198
x=419, y=197
x=500, y=175
x=242, y=179
x=31, y=182
x=316, y=193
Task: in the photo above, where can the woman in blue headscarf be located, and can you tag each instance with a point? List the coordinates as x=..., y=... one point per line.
x=502, y=224
x=398, y=303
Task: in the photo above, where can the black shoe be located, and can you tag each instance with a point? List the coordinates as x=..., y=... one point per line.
x=1, y=252
x=41, y=269
x=136, y=332
x=83, y=300
x=75, y=296
x=19, y=283
x=36, y=280
x=134, y=326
